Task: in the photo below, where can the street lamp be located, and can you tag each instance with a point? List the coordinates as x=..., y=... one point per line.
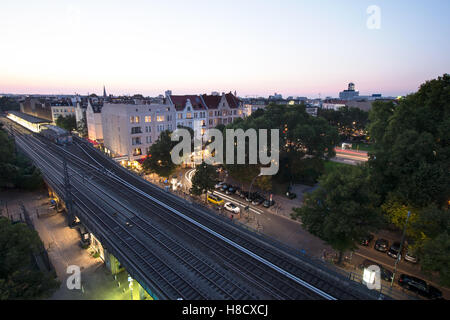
x=251, y=184
x=400, y=250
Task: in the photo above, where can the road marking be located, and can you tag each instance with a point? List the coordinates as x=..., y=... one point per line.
x=243, y=204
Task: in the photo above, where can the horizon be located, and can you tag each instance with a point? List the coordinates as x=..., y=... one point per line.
x=257, y=49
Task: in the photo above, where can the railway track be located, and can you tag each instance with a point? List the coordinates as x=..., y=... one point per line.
x=272, y=271
x=285, y=264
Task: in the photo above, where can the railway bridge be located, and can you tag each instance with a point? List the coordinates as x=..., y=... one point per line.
x=173, y=248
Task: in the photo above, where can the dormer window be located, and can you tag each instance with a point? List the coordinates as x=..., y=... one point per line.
x=188, y=108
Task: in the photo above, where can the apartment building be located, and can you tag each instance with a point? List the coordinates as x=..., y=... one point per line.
x=48, y=108
x=223, y=109
x=94, y=120
x=190, y=111
x=130, y=127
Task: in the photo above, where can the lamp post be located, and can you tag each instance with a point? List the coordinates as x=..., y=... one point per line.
x=400, y=249
x=250, y=190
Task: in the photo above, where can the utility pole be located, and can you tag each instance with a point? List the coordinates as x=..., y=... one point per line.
x=68, y=193
x=401, y=247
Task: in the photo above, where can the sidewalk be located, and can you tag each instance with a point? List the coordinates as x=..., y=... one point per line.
x=64, y=249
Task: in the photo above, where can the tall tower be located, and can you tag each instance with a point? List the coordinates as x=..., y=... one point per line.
x=104, y=92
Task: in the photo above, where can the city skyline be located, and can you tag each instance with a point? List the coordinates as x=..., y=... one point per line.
x=294, y=49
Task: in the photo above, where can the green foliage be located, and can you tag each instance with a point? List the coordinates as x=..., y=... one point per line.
x=15, y=169
x=9, y=104
x=412, y=150
x=302, y=138
x=350, y=122
x=435, y=257
x=341, y=210
x=19, y=279
x=204, y=179
x=410, y=168
x=159, y=159
x=68, y=123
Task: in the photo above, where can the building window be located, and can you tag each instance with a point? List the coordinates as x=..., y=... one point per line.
x=188, y=115
x=148, y=139
x=148, y=129
x=160, y=118
x=136, y=141
x=148, y=119
x=210, y=113
x=195, y=115
x=137, y=152
x=135, y=130
x=179, y=116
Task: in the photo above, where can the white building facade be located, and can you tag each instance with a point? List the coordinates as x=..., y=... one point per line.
x=130, y=129
x=94, y=121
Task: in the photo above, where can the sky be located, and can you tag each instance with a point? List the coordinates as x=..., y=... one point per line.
x=254, y=47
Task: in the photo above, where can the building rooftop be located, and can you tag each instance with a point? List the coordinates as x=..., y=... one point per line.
x=27, y=117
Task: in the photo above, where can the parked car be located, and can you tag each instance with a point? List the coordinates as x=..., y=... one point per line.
x=243, y=194
x=384, y=273
x=268, y=203
x=394, y=250
x=218, y=185
x=230, y=190
x=409, y=256
x=258, y=200
x=419, y=286
x=232, y=207
x=291, y=195
x=381, y=245
x=365, y=241
x=225, y=187
x=252, y=196
x=215, y=199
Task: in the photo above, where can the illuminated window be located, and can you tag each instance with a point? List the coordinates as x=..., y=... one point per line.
x=179, y=116
x=148, y=119
x=188, y=115
x=159, y=118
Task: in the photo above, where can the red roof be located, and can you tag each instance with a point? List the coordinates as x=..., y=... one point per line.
x=180, y=102
x=212, y=101
x=233, y=102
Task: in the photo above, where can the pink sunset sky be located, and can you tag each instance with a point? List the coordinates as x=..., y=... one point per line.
x=296, y=48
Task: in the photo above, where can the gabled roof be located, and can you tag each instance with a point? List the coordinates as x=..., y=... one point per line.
x=180, y=102
x=233, y=101
x=211, y=101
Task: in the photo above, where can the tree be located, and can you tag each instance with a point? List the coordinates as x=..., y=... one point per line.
x=412, y=152
x=301, y=138
x=341, y=210
x=19, y=279
x=8, y=104
x=350, y=122
x=159, y=158
x=410, y=165
x=68, y=123
x=435, y=257
x=204, y=179
x=432, y=244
